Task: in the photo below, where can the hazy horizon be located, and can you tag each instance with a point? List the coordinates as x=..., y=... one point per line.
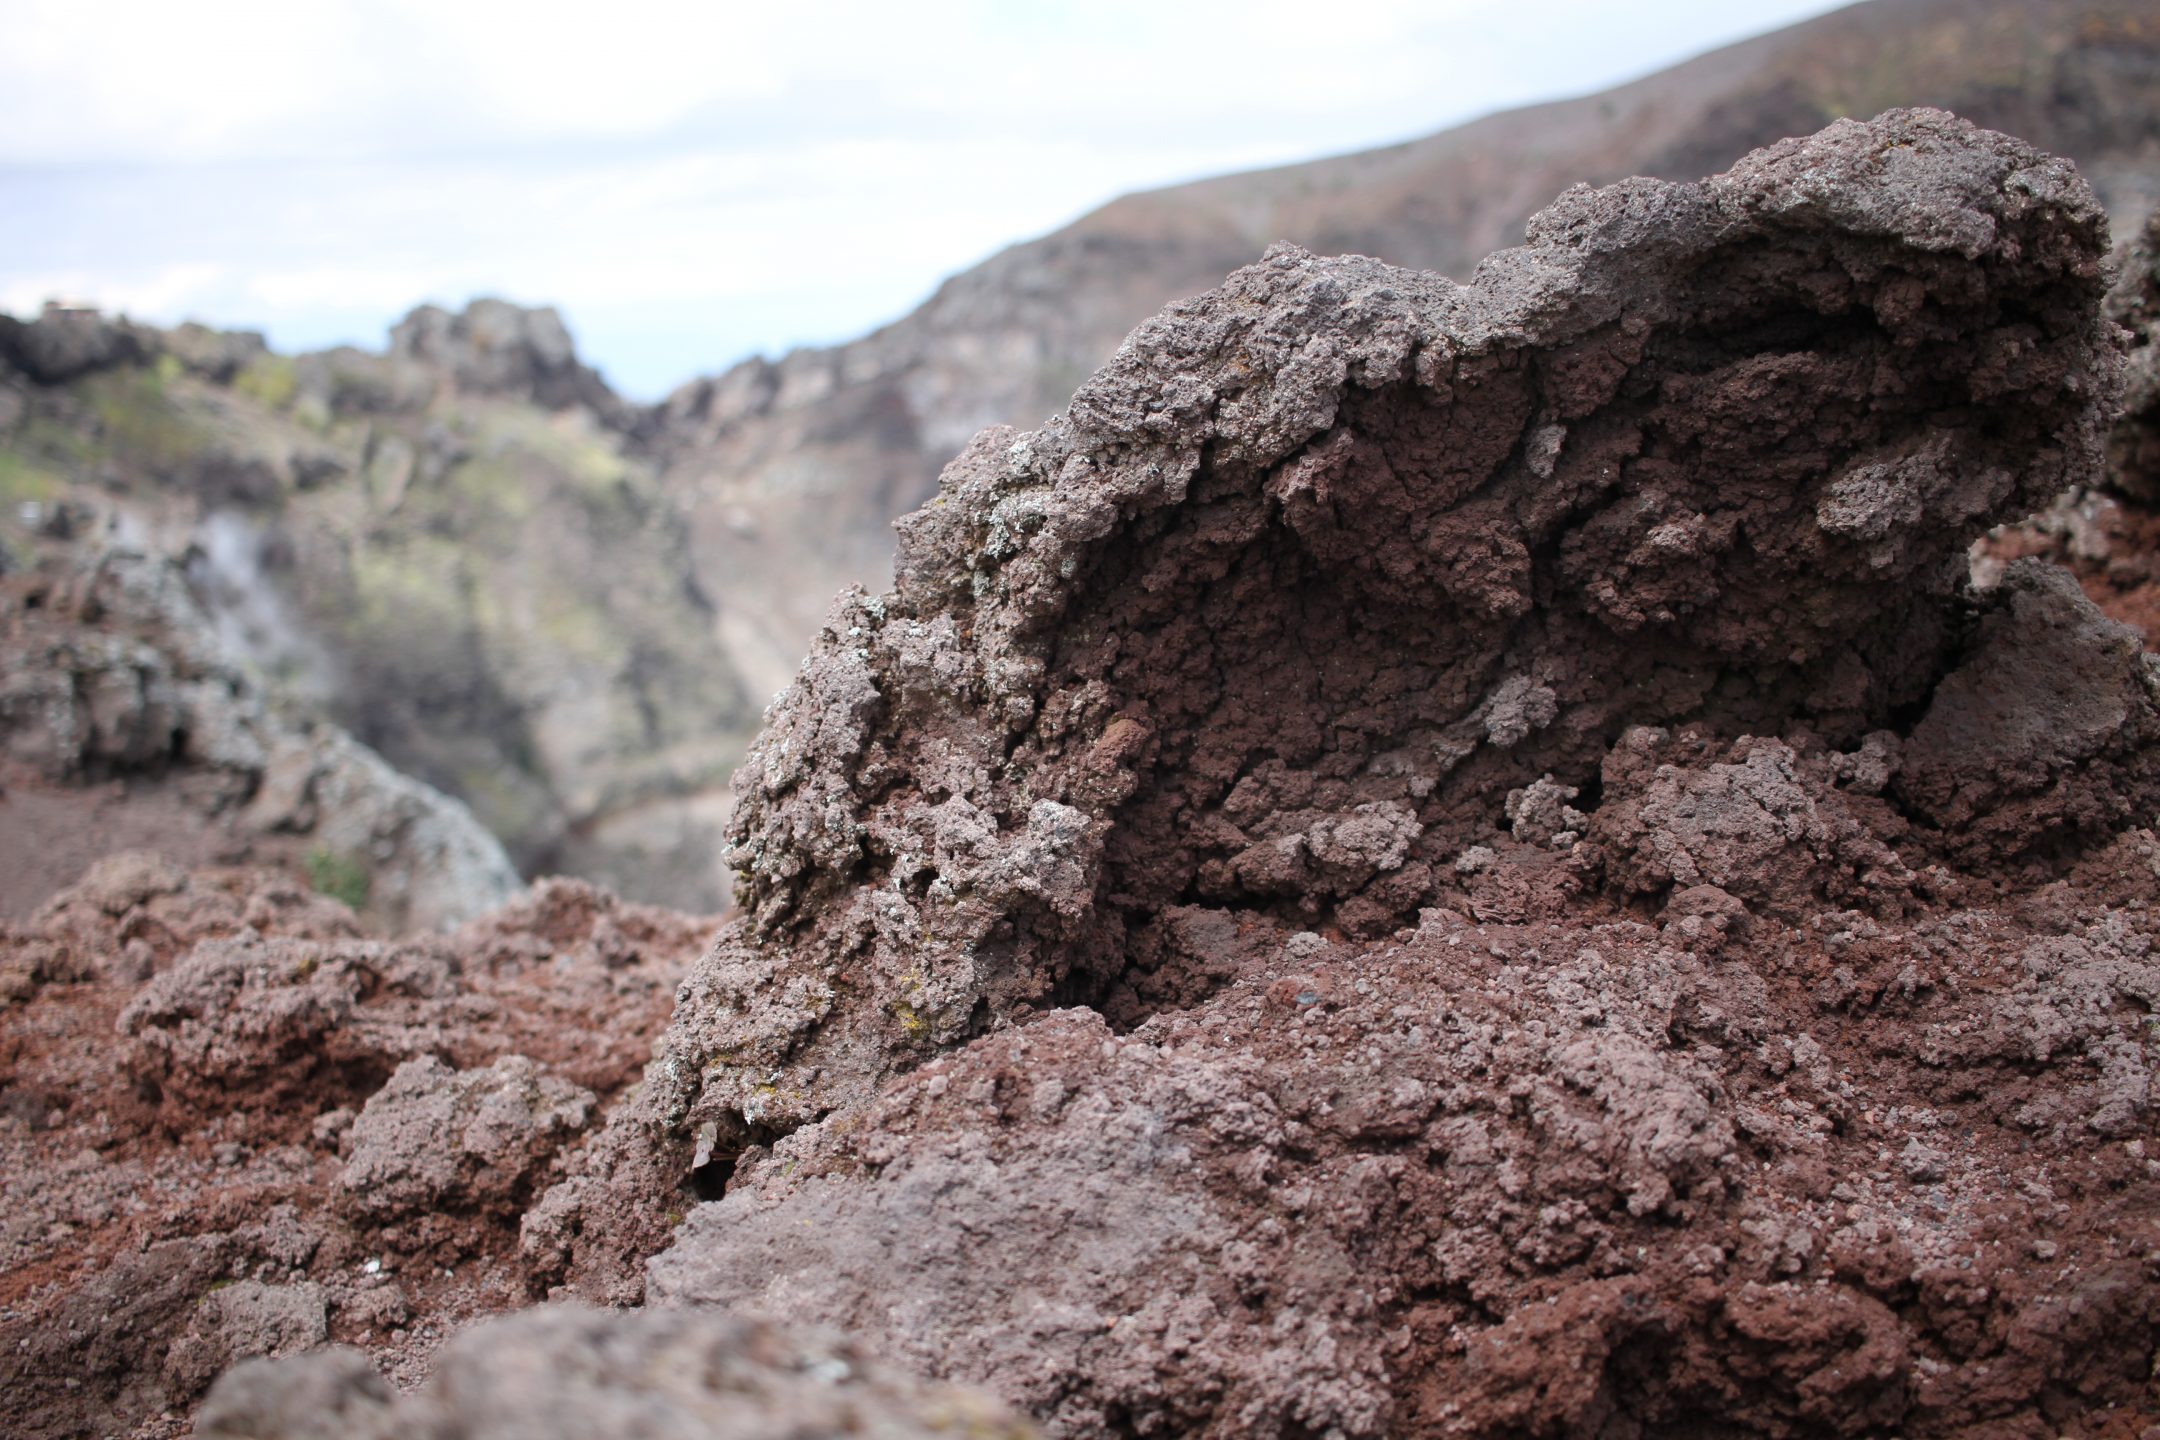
x=690, y=186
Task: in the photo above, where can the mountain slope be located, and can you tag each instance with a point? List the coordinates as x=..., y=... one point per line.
x=450, y=549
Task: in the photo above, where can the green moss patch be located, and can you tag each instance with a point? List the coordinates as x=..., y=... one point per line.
x=23, y=480
x=344, y=878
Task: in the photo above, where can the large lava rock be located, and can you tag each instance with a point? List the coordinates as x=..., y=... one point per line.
x=1316, y=717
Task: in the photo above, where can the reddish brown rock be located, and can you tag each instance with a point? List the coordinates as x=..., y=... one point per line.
x=1572, y=1177
x=435, y=1140
x=1468, y=860
x=188, y=1181
x=1427, y=860
x=1330, y=564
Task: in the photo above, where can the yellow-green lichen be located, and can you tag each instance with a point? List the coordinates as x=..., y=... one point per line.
x=489, y=492
x=269, y=380
x=141, y=421
x=343, y=878
x=24, y=481
x=912, y=1024
x=414, y=583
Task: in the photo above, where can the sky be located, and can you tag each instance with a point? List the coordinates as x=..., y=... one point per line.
x=692, y=183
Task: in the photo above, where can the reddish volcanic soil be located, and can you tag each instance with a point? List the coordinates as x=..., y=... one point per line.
x=182, y=1060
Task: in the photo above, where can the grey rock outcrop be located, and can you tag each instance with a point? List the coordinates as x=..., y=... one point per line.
x=110, y=670
x=66, y=342
x=451, y=551
x=493, y=347
x=565, y=1374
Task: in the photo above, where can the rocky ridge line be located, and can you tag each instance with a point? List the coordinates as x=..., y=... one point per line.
x=450, y=550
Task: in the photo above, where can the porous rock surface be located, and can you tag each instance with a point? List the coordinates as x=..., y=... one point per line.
x=435, y=1139
x=567, y=1373
x=231, y=1125
x=1442, y=859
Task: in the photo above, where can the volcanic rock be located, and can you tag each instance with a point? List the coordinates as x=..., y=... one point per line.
x=792, y=468
x=112, y=674
x=1330, y=562
x=435, y=1139
x=1468, y=860
x=232, y=1126
x=493, y=347
x=246, y=1320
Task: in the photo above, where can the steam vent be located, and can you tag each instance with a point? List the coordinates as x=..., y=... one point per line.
x=1469, y=859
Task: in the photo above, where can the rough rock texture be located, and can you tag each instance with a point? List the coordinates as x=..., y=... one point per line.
x=112, y=675
x=246, y=1320
x=1468, y=860
x=2108, y=534
x=2045, y=731
x=564, y=1373
x=232, y=1126
x=450, y=550
x=2111, y=544
x=1556, y=1178
x=1328, y=564
x=568, y=610
x=257, y=1021
x=435, y=1139
x=1427, y=860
